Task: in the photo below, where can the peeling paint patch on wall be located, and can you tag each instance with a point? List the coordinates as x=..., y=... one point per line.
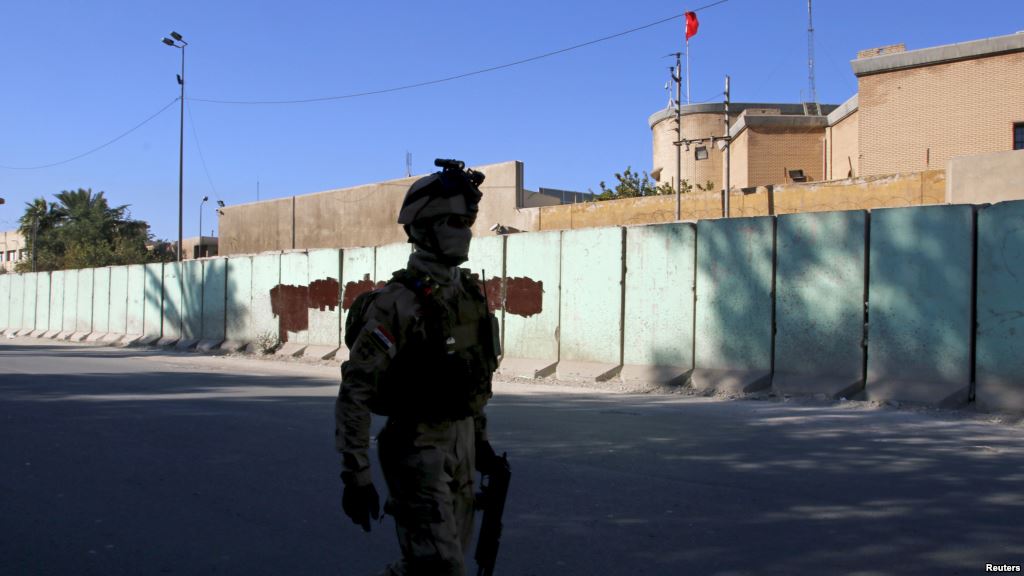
x=323, y=294
x=291, y=304
x=492, y=288
x=525, y=297
x=354, y=289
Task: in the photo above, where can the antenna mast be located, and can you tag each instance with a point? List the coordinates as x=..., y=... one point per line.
x=812, y=94
x=408, y=164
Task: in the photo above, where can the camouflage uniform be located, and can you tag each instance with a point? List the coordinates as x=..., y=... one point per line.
x=423, y=357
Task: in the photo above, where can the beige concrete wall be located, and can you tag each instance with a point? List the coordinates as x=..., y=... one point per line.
x=985, y=178
x=11, y=241
x=210, y=244
x=920, y=118
x=843, y=148
x=851, y=194
x=360, y=216
x=256, y=227
x=771, y=154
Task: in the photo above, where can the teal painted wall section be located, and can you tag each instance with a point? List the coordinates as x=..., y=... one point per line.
x=1000, y=345
x=820, y=282
x=136, y=306
x=70, y=307
x=119, y=300
x=294, y=273
x=919, y=297
x=238, y=304
x=192, y=299
x=357, y=276
x=173, y=302
x=531, y=320
x=324, y=324
x=153, y=309
x=85, y=291
x=101, y=301
x=5, y=301
x=28, y=317
x=17, y=300
x=660, y=268
x=591, y=317
x=214, y=290
x=734, y=294
x=57, y=283
x=43, y=302
x=487, y=255
x=389, y=259
x=266, y=274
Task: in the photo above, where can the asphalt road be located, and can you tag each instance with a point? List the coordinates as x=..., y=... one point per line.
x=148, y=462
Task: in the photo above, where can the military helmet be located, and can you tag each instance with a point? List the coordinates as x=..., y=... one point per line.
x=452, y=191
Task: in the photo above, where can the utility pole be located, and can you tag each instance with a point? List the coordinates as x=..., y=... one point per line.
x=677, y=76
x=812, y=92
x=728, y=146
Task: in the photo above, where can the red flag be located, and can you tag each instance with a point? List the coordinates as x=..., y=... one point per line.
x=691, y=24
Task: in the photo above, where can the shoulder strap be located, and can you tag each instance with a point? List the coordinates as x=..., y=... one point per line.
x=357, y=316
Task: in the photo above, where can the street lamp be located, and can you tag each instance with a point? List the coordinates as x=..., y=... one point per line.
x=179, y=42
x=205, y=199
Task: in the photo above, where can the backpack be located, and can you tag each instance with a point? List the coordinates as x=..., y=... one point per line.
x=356, y=315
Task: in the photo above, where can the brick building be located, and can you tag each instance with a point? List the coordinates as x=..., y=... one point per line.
x=12, y=249
x=914, y=111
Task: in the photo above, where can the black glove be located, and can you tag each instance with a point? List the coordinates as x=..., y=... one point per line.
x=486, y=459
x=361, y=503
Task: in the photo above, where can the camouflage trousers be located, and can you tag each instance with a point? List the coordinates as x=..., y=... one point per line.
x=429, y=471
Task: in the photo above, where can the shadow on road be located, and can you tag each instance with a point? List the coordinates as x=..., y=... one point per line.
x=200, y=471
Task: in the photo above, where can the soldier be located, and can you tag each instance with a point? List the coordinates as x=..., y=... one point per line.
x=423, y=349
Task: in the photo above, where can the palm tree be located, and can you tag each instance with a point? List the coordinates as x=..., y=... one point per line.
x=82, y=230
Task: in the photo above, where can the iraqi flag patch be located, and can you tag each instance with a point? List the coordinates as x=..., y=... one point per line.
x=383, y=340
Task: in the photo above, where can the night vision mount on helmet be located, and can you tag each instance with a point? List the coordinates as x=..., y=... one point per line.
x=452, y=191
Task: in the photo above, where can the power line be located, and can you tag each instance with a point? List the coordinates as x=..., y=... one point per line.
x=96, y=149
x=457, y=76
x=195, y=135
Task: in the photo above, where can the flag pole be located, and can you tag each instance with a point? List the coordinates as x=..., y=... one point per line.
x=687, y=70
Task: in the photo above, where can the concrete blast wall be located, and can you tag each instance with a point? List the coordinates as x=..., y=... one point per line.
x=5, y=301
x=819, y=302
x=214, y=303
x=870, y=306
x=920, y=304
x=532, y=276
x=733, y=330
x=1000, y=356
x=590, y=344
x=658, y=322
x=42, y=304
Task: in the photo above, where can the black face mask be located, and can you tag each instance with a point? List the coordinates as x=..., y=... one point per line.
x=447, y=237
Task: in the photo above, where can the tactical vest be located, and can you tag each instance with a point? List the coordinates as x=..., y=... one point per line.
x=445, y=374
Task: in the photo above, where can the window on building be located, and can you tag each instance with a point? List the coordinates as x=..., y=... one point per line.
x=1018, y=136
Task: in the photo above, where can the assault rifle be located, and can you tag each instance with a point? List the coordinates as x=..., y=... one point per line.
x=491, y=499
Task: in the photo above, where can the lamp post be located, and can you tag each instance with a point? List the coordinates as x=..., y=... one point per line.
x=179, y=42
x=205, y=198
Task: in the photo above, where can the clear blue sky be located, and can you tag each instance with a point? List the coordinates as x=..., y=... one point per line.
x=75, y=74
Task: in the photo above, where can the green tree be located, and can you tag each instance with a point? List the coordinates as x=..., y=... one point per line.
x=81, y=230
x=636, y=184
